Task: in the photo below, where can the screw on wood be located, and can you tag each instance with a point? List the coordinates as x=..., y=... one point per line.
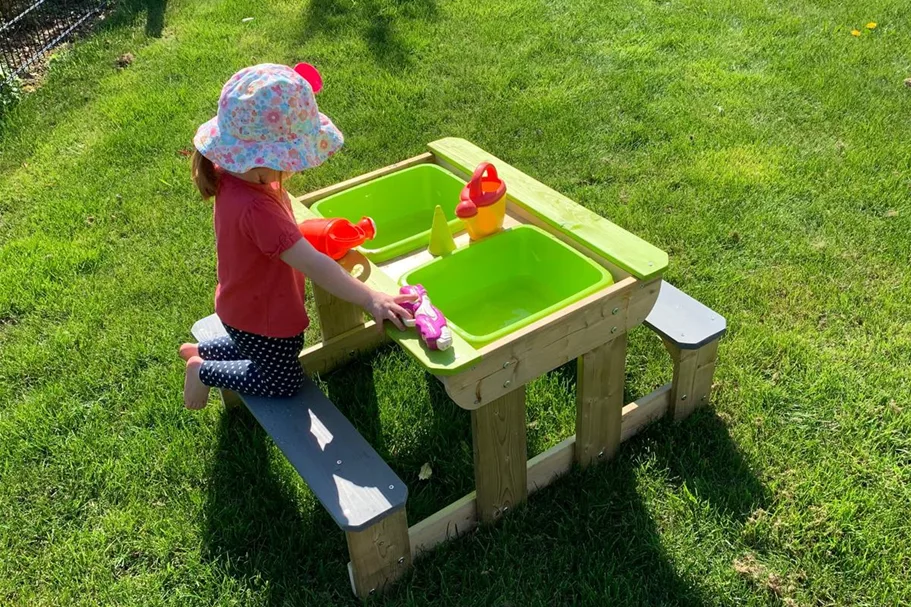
x=613, y=329
x=507, y=363
x=338, y=462
x=683, y=397
x=401, y=560
x=615, y=310
x=600, y=454
x=392, y=486
x=506, y=383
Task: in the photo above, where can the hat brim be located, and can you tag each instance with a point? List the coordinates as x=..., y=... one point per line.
x=239, y=155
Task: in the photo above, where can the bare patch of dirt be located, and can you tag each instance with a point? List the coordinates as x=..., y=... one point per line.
x=125, y=60
x=761, y=576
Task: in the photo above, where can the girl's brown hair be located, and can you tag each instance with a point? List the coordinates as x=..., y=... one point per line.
x=204, y=175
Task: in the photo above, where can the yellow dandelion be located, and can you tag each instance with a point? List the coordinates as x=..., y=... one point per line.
x=871, y=25
x=855, y=32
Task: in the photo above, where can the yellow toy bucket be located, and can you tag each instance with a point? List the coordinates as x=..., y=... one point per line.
x=482, y=203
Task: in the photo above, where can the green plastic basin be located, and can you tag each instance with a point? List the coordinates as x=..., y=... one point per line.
x=507, y=281
x=401, y=204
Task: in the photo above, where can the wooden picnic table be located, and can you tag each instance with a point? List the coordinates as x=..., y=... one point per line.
x=489, y=382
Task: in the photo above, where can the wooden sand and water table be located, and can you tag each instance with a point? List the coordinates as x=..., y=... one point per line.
x=558, y=283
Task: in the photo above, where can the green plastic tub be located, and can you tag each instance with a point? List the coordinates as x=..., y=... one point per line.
x=401, y=204
x=507, y=281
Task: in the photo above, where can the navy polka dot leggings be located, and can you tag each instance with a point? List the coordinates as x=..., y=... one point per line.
x=252, y=364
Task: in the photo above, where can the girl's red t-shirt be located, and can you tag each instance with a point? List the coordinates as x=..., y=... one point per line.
x=257, y=292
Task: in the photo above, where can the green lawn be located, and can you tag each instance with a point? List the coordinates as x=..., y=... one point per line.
x=761, y=144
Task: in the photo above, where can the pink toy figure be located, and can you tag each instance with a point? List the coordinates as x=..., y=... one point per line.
x=428, y=319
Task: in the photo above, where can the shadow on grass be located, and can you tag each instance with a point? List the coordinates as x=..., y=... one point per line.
x=701, y=454
x=590, y=538
x=378, y=22
x=155, y=17
x=127, y=11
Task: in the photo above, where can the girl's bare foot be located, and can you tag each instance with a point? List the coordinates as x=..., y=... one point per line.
x=188, y=351
x=195, y=393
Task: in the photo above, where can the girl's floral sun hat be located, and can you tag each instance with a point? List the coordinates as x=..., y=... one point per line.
x=267, y=117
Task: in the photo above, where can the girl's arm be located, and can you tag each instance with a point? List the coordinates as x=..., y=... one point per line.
x=326, y=273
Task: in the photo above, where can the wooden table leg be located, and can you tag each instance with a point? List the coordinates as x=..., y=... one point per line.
x=336, y=316
x=599, y=402
x=231, y=400
x=500, y=458
x=379, y=554
x=693, y=372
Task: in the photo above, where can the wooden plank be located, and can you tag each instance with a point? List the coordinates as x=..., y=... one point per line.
x=324, y=357
x=308, y=199
x=336, y=316
x=705, y=373
x=643, y=302
x=454, y=520
x=230, y=400
x=301, y=211
x=685, y=363
x=379, y=555
x=640, y=413
x=548, y=343
x=693, y=373
x=599, y=402
x=460, y=517
x=620, y=247
x=547, y=466
x=683, y=320
x=498, y=437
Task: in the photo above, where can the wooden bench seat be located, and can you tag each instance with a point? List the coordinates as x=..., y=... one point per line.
x=690, y=331
x=684, y=321
x=359, y=490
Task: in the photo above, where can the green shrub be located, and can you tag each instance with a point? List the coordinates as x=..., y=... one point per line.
x=10, y=92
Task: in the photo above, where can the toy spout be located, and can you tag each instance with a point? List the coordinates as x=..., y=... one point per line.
x=428, y=319
x=368, y=226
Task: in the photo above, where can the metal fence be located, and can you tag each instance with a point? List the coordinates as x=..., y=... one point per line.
x=29, y=29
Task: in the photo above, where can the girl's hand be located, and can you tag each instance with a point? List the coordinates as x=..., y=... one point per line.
x=383, y=306
x=337, y=281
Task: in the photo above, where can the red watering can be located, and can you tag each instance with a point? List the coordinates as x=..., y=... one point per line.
x=335, y=237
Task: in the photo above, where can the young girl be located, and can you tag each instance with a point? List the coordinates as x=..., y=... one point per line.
x=267, y=127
